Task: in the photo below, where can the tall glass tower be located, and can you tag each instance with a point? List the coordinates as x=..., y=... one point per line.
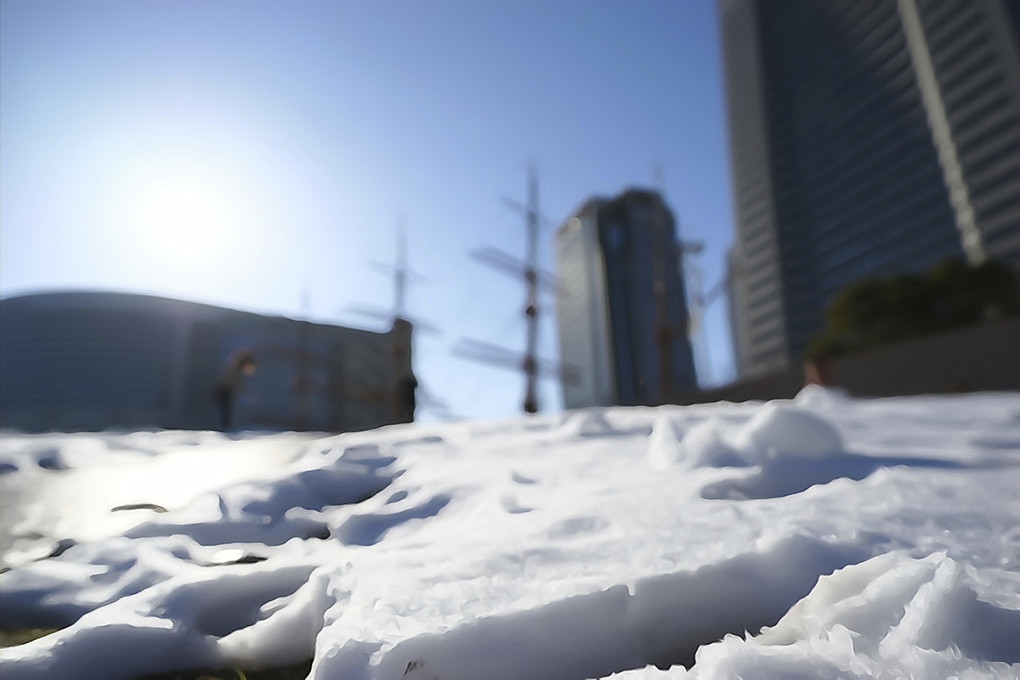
x=868, y=137
x=622, y=310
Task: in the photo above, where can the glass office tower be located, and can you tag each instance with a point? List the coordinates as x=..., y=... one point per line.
x=622, y=310
x=868, y=137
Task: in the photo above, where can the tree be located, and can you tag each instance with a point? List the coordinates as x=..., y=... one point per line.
x=875, y=312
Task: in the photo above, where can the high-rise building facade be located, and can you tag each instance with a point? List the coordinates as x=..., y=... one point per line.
x=622, y=310
x=868, y=137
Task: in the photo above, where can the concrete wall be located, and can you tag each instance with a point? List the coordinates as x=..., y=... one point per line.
x=979, y=358
x=985, y=357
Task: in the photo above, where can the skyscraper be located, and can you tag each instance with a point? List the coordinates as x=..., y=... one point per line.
x=868, y=137
x=622, y=311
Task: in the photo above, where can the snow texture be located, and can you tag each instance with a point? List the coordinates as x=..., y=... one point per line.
x=818, y=537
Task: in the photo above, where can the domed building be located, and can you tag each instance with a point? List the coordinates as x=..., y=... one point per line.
x=73, y=361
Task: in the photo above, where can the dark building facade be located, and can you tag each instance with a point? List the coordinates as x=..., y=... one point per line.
x=622, y=310
x=868, y=137
x=95, y=361
x=966, y=56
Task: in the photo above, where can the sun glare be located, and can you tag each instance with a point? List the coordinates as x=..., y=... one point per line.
x=184, y=217
x=185, y=220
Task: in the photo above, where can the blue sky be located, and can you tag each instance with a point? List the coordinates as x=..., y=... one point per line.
x=284, y=141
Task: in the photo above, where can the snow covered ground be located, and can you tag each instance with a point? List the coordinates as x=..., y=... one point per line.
x=870, y=538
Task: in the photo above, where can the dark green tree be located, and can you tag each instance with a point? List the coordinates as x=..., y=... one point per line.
x=875, y=312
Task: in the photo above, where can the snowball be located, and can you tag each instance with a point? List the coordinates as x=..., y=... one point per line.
x=788, y=431
x=705, y=446
x=664, y=443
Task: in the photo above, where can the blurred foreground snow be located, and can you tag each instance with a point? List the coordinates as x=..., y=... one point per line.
x=872, y=538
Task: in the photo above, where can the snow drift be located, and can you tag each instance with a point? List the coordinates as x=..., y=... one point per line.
x=824, y=536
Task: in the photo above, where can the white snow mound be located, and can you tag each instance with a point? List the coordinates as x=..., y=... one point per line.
x=787, y=431
x=823, y=537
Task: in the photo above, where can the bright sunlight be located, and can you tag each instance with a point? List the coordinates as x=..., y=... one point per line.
x=186, y=218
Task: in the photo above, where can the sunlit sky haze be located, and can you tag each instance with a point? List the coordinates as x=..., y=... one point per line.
x=259, y=155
